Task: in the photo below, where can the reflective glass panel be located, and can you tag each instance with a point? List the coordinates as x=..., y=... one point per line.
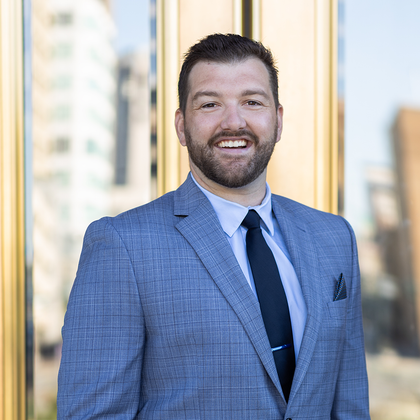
x=92, y=147
x=382, y=192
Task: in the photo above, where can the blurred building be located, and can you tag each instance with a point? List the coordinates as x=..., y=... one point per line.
x=389, y=267
x=406, y=136
x=47, y=287
x=390, y=270
x=389, y=306
x=83, y=68
x=74, y=87
x=132, y=157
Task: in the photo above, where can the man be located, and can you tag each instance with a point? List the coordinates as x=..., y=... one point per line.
x=170, y=316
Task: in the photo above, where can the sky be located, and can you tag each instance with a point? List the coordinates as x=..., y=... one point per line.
x=382, y=73
x=132, y=20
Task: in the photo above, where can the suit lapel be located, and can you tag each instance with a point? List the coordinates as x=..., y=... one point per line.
x=300, y=245
x=205, y=235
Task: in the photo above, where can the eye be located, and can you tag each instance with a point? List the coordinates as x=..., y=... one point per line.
x=209, y=105
x=253, y=103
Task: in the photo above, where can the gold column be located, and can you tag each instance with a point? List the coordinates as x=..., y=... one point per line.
x=168, y=148
x=303, y=38
x=12, y=269
x=326, y=107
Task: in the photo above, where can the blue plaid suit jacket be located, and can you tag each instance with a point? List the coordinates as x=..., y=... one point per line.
x=162, y=324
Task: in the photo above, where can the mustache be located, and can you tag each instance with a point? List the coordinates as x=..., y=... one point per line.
x=240, y=134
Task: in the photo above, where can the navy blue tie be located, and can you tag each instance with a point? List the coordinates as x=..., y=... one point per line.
x=272, y=299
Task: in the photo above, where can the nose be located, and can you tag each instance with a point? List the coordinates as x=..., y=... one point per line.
x=232, y=119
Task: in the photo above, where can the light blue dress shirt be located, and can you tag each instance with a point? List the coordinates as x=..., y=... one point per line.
x=230, y=215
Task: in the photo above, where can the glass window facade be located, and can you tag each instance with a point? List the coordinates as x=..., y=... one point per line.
x=382, y=193
x=78, y=51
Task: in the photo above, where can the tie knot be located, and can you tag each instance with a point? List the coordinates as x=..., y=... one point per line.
x=252, y=220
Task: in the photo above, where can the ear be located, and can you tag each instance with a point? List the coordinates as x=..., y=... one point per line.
x=279, y=122
x=180, y=126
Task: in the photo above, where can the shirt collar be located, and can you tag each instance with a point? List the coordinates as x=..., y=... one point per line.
x=231, y=214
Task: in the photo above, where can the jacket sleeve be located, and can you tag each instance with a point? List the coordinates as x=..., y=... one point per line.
x=103, y=333
x=351, y=401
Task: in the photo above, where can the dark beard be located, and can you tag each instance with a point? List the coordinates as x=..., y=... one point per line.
x=236, y=172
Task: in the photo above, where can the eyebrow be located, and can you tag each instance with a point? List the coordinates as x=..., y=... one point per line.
x=249, y=92
x=201, y=93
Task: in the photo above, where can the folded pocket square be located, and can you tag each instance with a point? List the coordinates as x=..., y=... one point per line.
x=340, y=290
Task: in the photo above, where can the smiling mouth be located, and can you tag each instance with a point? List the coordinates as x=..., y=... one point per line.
x=232, y=144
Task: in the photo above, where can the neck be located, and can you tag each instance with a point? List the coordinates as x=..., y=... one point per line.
x=249, y=195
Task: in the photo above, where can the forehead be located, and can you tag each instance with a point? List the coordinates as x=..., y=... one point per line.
x=229, y=77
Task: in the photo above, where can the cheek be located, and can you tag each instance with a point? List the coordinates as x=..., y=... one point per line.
x=203, y=128
x=264, y=129
x=262, y=124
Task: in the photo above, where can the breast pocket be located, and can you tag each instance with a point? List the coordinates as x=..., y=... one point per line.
x=338, y=309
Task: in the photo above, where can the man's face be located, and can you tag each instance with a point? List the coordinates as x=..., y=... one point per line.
x=231, y=123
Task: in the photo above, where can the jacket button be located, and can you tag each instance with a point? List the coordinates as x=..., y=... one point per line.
x=288, y=418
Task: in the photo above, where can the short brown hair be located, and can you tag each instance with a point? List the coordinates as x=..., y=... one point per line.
x=225, y=48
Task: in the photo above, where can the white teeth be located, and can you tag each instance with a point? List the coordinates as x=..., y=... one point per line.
x=232, y=143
